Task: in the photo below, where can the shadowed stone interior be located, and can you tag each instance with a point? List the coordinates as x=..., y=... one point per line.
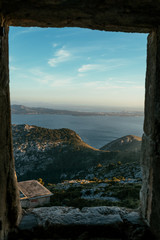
x=115, y=15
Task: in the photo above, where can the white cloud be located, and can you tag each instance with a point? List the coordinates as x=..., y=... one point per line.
x=100, y=85
x=126, y=82
x=12, y=68
x=104, y=65
x=92, y=84
x=81, y=75
x=60, y=56
x=10, y=59
x=55, y=45
x=88, y=67
x=130, y=80
x=50, y=79
x=61, y=82
x=139, y=87
x=28, y=30
x=110, y=85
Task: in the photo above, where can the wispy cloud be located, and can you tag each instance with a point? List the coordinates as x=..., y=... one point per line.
x=89, y=67
x=81, y=75
x=103, y=65
x=125, y=82
x=28, y=30
x=55, y=45
x=50, y=79
x=60, y=56
x=100, y=85
x=61, y=82
x=13, y=68
x=108, y=85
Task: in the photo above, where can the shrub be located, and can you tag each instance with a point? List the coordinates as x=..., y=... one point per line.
x=40, y=181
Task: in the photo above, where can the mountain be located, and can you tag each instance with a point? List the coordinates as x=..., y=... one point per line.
x=56, y=155
x=126, y=143
x=20, y=109
x=52, y=154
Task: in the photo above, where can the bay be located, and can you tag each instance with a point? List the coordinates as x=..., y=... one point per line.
x=94, y=130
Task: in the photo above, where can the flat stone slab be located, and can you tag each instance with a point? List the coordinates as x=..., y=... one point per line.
x=89, y=223
x=75, y=216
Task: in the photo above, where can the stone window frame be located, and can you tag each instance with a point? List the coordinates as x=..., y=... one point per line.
x=117, y=15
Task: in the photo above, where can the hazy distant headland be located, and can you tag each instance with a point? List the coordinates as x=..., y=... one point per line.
x=21, y=109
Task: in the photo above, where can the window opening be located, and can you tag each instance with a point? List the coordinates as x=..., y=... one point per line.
x=91, y=84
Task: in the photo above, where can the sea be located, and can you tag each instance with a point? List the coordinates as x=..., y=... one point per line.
x=94, y=130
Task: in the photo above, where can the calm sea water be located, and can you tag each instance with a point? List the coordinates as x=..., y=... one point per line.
x=95, y=130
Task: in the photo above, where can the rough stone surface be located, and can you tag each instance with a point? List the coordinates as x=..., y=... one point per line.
x=150, y=193
x=75, y=216
x=9, y=199
x=115, y=15
x=88, y=223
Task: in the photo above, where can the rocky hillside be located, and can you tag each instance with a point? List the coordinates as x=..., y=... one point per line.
x=52, y=154
x=126, y=143
x=56, y=155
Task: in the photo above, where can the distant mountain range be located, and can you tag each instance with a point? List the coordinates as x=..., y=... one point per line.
x=20, y=109
x=56, y=155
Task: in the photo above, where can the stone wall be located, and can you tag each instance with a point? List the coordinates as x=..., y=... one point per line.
x=150, y=193
x=115, y=15
x=110, y=15
x=9, y=198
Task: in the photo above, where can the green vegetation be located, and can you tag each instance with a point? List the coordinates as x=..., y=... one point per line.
x=127, y=194
x=113, y=177
x=56, y=155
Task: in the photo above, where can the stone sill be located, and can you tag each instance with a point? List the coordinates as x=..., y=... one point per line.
x=94, y=223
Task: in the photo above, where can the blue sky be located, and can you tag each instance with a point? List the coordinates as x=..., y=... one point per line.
x=77, y=68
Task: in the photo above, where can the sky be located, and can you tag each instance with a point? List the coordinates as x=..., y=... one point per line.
x=77, y=68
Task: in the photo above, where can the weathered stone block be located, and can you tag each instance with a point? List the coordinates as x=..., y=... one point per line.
x=150, y=193
x=9, y=196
